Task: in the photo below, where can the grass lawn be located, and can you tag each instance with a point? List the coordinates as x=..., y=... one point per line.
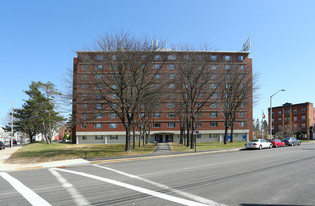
x=206, y=146
x=42, y=152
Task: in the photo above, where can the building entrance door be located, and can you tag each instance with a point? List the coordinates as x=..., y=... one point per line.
x=168, y=138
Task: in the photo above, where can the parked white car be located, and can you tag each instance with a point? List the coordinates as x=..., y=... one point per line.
x=258, y=144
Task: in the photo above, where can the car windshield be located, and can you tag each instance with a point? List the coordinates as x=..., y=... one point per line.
x=254, y=140
x=286, y=138
x=272, y=140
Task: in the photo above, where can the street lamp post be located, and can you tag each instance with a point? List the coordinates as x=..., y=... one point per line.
x=270, y=123
x=11, y=139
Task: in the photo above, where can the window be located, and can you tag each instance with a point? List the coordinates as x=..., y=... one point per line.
x=295, y=119
x=213, y=85
x=213, y=58
x=83, y=126
x=198, y=136
x=84, y=86
x=84, y=96
x=98, y=86
x=171, y=124
x=99, y=57
x=156, y=115
x=98, y=96
x=171, y=115
x=171, y=57
x=199, y=124
x=157, y=57
x=113, y=125
x=171, y=76
x=199, y=115
x=213, y=76
x=99, y=76
x=99, y=137
x=156, y=66
x=240, y=58
x=113, y=136
x=303, y=118
x=99, y=67
x=99, y=116
x=242, y=114
x=279, y=113
x=170, y=105
x=114, y=57
x=85, y=58
x=171, y=95
x=83, y=116
x=156, y=125
x=242, y=67
x=113, y=86
x=113, y=67
x=303, y=126
x=213, y=114
x=213, y=136
x=85, y=67
x=83, y=106
x=303, y=110
x=113, y=76
x=113, y=115
x=213, y=67
x=186, y=57
x=157, y=76
x=171, y=66
x=84, y=77
x=241, y=124
x=214, y=95
x=171, y=86
x=113, y=106
x=98, y=106
x=84, y=137
x=113, y=96
x=295, y=111
x=98, y=126
x=227, y=67
x=213, y=105
x=213, y=124
x=227, y=58
x=279, y=119
x=279, y=127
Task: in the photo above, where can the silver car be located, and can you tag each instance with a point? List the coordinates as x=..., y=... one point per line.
x=291, y=141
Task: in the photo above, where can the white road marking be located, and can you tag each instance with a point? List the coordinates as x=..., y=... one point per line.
x=77, y=197
x=136, y=188
x=26, y=192
x=185, y=194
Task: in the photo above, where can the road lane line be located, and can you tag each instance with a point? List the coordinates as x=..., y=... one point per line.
x=26, y=192
x=136, y=188
x=185, y=194
x=77, y=197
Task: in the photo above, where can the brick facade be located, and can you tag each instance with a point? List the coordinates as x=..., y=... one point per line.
x=108, y=128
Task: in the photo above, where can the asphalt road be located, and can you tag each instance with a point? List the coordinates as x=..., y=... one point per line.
x=279, y=176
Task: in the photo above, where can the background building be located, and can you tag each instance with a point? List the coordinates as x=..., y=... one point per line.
x=96, y=123
x=294, y=119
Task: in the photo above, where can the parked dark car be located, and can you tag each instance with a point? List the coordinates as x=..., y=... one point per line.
x=291, y=141
x=2, y=145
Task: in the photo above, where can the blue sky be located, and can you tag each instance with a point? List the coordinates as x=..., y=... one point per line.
x=38, y=39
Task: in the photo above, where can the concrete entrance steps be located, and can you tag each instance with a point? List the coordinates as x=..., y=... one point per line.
x=162, y=148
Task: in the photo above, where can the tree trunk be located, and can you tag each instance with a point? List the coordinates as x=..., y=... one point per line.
x=128, y=146
x=232, y=127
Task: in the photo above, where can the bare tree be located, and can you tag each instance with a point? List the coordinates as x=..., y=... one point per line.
x=127, y=77
x=236, y=95
x=194, y=85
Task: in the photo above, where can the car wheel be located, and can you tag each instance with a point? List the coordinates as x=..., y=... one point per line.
x=270, y=146
x=260, y=147
x=299, y=144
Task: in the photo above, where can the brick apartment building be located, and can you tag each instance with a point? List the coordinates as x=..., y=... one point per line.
x=107, y=128
x=298, y=119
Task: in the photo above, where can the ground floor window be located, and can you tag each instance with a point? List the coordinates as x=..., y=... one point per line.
x=84, y=137
x=113, y=137
x=98, y=137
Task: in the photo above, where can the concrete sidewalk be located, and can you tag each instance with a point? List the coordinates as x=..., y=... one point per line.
x=8, y=151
